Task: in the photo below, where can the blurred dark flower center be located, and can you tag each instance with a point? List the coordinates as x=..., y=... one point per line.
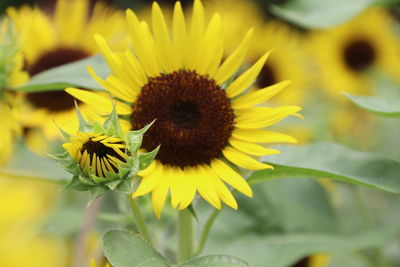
x=51, y=100
x=266, y=77
x=54, y=100
x=359, y=55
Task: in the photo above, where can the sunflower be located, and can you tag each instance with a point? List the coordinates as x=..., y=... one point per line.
x=206, y=121
x=49, y=41
x=11, y=75
x=346, y=53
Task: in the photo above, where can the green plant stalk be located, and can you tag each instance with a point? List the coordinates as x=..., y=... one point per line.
x=141, y=224
x=185, y=230
x=206, y=231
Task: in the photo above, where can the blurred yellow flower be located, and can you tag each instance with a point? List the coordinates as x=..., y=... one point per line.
x=202, y=128
x=346, y=53
x=24, y=205
x=51, y=40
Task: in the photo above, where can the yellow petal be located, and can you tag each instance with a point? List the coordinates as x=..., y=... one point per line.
x=233, y=62
x=116, y=87
x=98, y=101
x=260, y=117
x=251, y=148
x=148, y=183
x=212, y=42
x=243, y=160
x=176, y=178
x=206, y=188
x=142, y=44
x=159, y=195
x=262, y=136
x=259, y=96
x=228, y=175
x=196, y=36
x=247, y=78
x=162, y=37
x=188, y=186
x=223, y=192
x=178, y=35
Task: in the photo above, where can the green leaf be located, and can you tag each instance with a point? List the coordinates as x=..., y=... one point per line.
x=123, y=249
x=282, y=205
x=28, y=165
x=215, y=261
x=320, y=14
x=70, y=75
x=282, y=250
x=328, y=160
x=379, y=105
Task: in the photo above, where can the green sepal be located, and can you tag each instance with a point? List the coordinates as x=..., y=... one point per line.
x=96, y=192
x=97, y=127
x=134, y=138
x=86, y=180
x=75, y=184
x=145, y=159
x=64, y=133
x=111, y=175
x=113, y=184
x=84, y=125
x=111, y=124
x=125, y=186
x=97, y=179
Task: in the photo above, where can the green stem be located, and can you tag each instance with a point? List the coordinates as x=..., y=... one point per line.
x=141, y=224
x=185, y=228
x=206, y=231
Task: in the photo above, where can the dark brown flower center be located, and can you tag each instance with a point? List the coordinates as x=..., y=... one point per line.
x=102, y=151
x=194, y=118
x=359, y=55
x=267, y=77
x=54, y=100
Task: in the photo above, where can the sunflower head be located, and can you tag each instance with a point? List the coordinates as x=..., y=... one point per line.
x=209, y=121
x=102, y=158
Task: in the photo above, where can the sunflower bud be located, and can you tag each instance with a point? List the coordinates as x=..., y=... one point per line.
x=102, y=158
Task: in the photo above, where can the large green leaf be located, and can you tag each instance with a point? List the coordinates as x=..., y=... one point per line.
x=281, y=250
x=320, y=14
x=380, y=105
x=26, y=164
x=124, y=249
x=73, y=74
x=327, y=160
x=215, y=261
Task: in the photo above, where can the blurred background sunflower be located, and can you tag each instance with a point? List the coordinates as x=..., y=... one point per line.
x=51, y=37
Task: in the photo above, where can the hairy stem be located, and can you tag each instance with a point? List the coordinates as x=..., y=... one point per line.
x=141, y=224
x=185, y=228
